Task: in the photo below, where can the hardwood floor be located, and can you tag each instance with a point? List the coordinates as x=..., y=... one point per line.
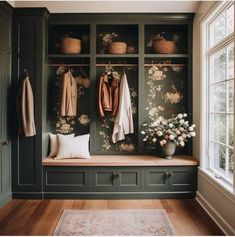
x=40, y=217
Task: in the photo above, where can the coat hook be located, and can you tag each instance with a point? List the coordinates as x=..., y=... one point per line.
x=26, y=72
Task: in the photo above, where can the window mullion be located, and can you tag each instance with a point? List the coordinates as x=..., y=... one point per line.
x=227, y=109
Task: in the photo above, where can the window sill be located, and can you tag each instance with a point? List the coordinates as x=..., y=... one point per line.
x=227, y=190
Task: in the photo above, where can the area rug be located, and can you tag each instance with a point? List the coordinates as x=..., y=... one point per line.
x=114, y=222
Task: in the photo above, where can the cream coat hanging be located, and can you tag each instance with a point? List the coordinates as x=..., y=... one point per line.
x=123, y=123
x=26, y=109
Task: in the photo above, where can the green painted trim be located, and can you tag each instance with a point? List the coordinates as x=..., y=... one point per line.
x=120, y=18
x=5, y=199
x=119, y=195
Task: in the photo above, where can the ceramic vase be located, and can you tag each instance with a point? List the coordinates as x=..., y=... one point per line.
x=168, y=149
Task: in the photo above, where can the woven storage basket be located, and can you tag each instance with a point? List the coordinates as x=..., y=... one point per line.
x=116, y=48
x=163, y=46
x=70, y=45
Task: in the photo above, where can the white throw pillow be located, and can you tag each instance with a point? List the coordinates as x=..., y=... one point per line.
x=54, y=144
x=73, y=147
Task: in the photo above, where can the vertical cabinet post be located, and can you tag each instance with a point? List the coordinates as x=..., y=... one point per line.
x=28, y=53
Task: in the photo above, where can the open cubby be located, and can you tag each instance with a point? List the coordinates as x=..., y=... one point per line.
x=80, y=69
x=116, y=33
x=166, y=39
x=104, y=125
x=166, y=89
x=57, y=32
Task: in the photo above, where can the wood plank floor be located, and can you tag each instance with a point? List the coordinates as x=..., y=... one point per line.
x=40, y=217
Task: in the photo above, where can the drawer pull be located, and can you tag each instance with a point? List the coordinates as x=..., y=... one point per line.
x=168, y=174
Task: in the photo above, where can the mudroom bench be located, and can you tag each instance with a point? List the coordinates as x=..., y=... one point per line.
x=116, y=176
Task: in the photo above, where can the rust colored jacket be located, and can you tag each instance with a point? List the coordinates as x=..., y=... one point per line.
x=26, y=109
x=108, y=96
x=68, y=95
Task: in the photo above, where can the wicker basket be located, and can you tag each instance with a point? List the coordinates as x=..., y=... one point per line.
x=162, y=46
x=70, y=45
x=116, y=48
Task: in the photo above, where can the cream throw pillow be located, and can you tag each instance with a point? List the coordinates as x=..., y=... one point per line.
x=73, y=147
x=54, y=143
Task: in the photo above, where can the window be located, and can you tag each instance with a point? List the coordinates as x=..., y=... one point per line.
x=219, y=71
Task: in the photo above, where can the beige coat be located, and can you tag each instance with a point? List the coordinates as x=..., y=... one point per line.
x=26, y=109
x=123, y=123
x=68, y=95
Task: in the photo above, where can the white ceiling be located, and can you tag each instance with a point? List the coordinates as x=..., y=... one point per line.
x=108, y=6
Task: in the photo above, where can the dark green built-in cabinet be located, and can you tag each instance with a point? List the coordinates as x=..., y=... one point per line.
x=29, y=37
x=32, y=36
x=5, y=97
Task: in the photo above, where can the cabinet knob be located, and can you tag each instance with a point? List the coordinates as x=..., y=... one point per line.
x=117, y=174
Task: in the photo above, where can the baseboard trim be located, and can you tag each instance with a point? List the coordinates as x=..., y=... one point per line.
x=216, y=217
x=117, y=195
x=5, y=199
x=27, y=195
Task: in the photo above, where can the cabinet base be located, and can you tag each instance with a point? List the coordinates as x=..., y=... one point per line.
x=105, y=195
x=27, y=195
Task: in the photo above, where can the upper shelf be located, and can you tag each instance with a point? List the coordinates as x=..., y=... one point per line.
x=117, y=55
x=166, y=55
x=68, y=55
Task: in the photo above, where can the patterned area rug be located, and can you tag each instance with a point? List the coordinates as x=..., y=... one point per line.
x=114, y=222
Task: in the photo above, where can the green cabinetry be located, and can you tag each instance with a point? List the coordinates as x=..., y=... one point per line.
x=120, y=182
x=5, y=84
x=116, y=179
x=29, y=29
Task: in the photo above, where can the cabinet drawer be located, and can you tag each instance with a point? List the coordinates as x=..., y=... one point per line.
x=64, y=179
x=183, y=178
x=156, y=179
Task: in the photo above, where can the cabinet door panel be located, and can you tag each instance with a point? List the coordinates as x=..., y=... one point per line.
x=103, y=179
x=155, y=179
x=128, y=179
x=66, y=179
x=182, y=178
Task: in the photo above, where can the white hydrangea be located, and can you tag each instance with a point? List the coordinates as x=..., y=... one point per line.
x=171, y=137
x=180, y=116
x=190, y=129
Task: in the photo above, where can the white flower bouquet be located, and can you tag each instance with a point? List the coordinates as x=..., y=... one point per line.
x=175, y=129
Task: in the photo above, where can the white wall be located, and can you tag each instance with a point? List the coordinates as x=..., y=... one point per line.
x=218, y=202
x=111, y=6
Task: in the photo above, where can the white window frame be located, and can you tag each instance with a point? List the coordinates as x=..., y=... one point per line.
x=206, y=50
